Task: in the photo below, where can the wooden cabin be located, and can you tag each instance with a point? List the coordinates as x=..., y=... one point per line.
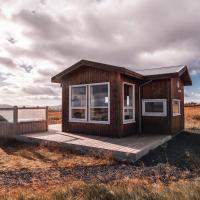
x=115, y=101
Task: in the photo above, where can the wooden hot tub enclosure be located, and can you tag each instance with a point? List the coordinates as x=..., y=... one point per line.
x=22, y=120
x=115, y=101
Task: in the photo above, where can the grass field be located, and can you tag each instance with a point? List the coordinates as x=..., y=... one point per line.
x=192, y=117
x=54, y=117
x=170, y=172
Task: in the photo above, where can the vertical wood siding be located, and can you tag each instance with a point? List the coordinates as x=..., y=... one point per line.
x=177, y=122
x=88, y=75
x=157, y=89
x=8, y=130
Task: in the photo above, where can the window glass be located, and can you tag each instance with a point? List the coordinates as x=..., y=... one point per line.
x=99, y=95
x=99, y=114
x=128, y=114
x=78, y=113
x=153, y=106
x=129, y=109
x=79, y=102
x=128, y=95
x=78, y=96
x=99, y=101
x=176, y=107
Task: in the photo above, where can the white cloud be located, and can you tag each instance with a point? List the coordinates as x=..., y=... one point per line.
x=44, y=37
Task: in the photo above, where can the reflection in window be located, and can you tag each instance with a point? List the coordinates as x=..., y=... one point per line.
x=78, y=113
x=78, y=108
x=176, y=107
x=154, y=107
x=99, y=100
x=78, y=95
x=99, y=114
x=129, y=105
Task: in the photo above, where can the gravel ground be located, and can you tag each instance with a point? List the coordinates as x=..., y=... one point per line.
x=100, y=174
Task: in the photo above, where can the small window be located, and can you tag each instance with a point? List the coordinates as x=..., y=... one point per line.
x=99, y=102
x=176, y=107
x=78, y=103
x=129, y=103
x=154, y=107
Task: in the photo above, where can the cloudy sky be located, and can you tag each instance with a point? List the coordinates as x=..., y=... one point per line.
x=40, y=38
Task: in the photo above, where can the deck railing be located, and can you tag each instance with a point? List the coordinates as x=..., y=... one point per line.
x=22, y=120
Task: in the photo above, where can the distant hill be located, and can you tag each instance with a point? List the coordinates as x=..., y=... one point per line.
x=5, y=106
x=191, y=104
x=55, y=108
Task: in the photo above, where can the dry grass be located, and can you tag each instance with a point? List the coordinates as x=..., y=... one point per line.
x=40, y=157
x=192, y=117
x=55, y=117
x=122, y=190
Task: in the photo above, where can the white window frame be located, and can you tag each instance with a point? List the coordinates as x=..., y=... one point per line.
x=71, y=119
x=160, y=114
x=107, y=107
x=87, y=107
x=129, y=107
x=179, y=105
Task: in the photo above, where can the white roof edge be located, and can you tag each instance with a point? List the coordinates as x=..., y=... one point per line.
x=160, y=70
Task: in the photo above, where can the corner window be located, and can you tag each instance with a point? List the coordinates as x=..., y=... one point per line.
x=99, y=102
x=78, y=102
x=128, y=103
x=89, y=103
x=154, y=107
x=176, y=107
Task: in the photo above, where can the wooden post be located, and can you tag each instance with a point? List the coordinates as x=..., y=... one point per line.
x=15, y=120
x=47, y=118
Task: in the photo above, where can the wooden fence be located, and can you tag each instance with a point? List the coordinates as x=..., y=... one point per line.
x=16, y=126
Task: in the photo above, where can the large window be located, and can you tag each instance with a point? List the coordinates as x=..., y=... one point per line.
x=176, y=107
x=154, y=107
x=78, y=103
x=129, y=103
x=96, y=110
x=99, y=100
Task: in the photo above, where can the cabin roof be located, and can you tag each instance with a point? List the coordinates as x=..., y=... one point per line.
x=160, y=70
x=140, y=74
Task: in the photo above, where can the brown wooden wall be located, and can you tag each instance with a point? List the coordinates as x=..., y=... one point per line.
x=177, y=122
x=9, y=130
x=91, y=75
x=31, y=127
x=157, y=89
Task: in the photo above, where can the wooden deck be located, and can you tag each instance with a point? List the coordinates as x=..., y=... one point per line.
x=129, y=148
